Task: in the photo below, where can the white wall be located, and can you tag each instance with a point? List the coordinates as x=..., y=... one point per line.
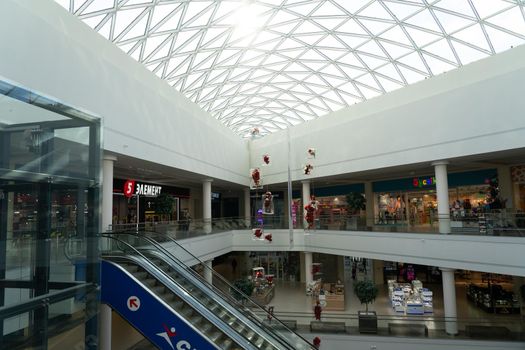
x=476, y=253
x=475, y=109
x=46, y=49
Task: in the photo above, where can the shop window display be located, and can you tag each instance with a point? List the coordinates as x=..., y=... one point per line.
x=410, y=298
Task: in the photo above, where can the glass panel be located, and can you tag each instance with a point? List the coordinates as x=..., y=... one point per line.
x=49, y=173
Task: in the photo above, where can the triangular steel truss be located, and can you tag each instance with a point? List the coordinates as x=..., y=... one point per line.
x=273, y=63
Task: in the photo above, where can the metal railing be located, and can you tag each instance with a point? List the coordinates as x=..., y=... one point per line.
x=428, y=326
x=490, y=223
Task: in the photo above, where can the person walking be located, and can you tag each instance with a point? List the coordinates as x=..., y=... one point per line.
x=317, y=310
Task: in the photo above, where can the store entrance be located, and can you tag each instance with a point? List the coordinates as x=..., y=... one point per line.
x=422, y=207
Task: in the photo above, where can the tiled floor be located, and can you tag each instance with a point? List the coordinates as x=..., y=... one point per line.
x=290, y=302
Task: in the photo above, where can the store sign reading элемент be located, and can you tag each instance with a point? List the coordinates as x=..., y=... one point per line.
x=131, y=187
x=424, y=182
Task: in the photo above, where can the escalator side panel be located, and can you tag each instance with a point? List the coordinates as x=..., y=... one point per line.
x=155, y=320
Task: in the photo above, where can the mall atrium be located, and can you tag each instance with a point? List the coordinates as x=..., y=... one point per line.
x=262, y=174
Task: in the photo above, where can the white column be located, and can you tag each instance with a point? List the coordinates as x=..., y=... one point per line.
x=105, y=327
x=107, y=191
x=247, y=211
x=407, y=208
x=10, y=197
x=442, y=196
x=449, y=301
x=505, y=186
x=206, y=204
x=208, y=271
x=308, y=260
x=370, y=204
x=306, y=199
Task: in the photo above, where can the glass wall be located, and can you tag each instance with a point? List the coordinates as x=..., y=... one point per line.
x=49, y=222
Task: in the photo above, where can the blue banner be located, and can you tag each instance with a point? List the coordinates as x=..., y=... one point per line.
x=141, y=309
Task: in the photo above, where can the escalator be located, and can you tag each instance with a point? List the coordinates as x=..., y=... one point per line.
x=148, y=280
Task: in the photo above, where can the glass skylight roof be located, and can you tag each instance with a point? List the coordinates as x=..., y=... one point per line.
x=268, y=64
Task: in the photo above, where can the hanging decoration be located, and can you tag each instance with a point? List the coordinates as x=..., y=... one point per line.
x=310, y=211
x=308, y=169
x=268, y=237
x=256, y=180
x=311, y=153
x=266, y=159
x=254, y=132
x=267, y=200
x=257, y=232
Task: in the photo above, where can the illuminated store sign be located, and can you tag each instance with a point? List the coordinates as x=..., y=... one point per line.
x=424, y=182
x=131, y=187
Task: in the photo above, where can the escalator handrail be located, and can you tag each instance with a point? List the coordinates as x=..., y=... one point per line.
x=255, y=323
x=182, y=293
x=282, y=326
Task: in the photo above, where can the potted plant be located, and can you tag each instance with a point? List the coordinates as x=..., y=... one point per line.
x=164, y=205
x=355, y=202
x=243, y=289
x=366, y=292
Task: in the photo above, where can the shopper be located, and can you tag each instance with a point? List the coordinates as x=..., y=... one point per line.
x=317, y=310
x=234, y=266
x=186, y=219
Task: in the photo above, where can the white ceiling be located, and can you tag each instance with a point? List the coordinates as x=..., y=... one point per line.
x=269, y=64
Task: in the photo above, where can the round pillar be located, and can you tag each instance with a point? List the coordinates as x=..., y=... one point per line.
x=206, y=205
x=107, y=192
x=308, y=260
x=449, y=301
x=105, y=327
x=247, y=209
x=369, y=196
x=440, y=169
x=306, y=200
x=208, y=271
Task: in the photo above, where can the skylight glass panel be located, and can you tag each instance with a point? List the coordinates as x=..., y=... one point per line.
x=263, y=64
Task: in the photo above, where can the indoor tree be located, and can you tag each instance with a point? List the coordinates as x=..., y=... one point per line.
x=366, y=292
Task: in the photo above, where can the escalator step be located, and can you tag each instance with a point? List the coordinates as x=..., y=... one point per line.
x=239, y=328
x=195, y=320
x=158, y=290
x=227, y=344
x=150, y=282
x=186, y=311
x=177, y=305
x=130, y=268
x=214, y=336
x=140, y=275
x=206, y=328
x=259, y=342
x=250, y=335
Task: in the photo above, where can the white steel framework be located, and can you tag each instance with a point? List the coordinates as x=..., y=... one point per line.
x=268, y=64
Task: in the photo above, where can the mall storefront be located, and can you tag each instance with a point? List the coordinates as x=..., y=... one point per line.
x=414, y=200
x=136, y=201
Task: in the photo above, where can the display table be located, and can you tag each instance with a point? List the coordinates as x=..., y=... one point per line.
x=410, y=299
x=333, y=297
x=264, y=296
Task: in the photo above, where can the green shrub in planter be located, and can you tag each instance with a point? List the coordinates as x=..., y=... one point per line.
x=366, y=292
x=244, y=288
x=355, y=202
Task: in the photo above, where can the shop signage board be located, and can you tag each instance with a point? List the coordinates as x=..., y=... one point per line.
x=131, y=187
x=154, y=319
x=424, y=181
